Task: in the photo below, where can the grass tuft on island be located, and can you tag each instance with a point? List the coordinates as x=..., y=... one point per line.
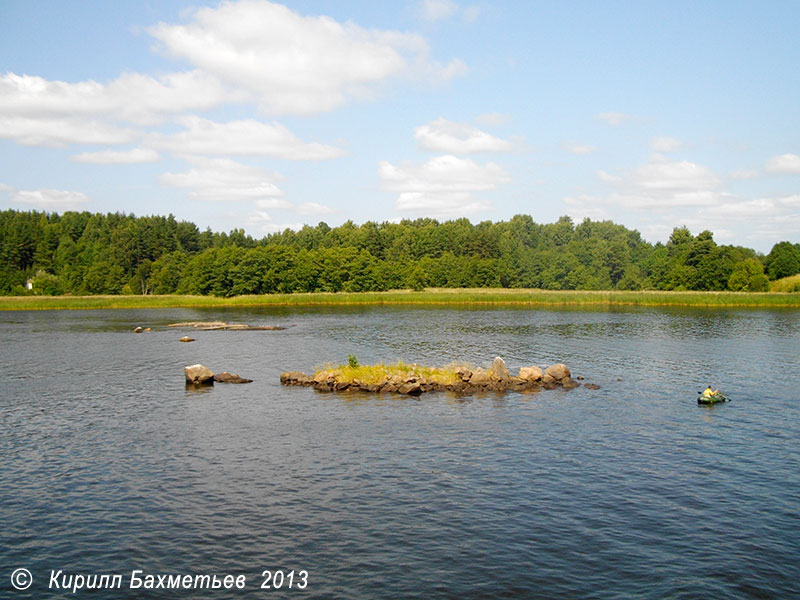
x=429, y=297
x=370, y=374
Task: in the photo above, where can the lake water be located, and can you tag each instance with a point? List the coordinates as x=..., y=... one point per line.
x=108, y=464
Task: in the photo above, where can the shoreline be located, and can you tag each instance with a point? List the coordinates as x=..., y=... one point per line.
x=456, y=297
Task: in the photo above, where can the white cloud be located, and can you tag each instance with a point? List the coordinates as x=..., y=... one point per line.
x=665, y=144
x=313, y=208
x=458, y=138
x=46, y=199
x=122, y=157
x=443, y=186
x=612, y=118
x=222, y=179
x=290, y=63
x=580, y=148
x=431, y=11
x=661, y=184
x=131, y=97
x=245, y=137
x=264, y=223
x=57, y=132
x=437, y=10
x=785, y=163
x=662, y=174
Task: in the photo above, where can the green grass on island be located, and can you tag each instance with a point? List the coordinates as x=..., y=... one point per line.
x=429, y=297
x=371, y=374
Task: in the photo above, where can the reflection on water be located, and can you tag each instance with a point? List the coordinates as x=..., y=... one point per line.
x=110, y=462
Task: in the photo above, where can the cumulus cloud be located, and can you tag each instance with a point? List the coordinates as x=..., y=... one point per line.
x=443, y=186
x=244, y=137
x=458, y=138
x=47, y=199
x=660, y=184
x=222, y=179
x=313, y=208
x=665, y=144
x=612, y=118
x=132, y=97
x=59, y=132
x=438, y=10
x=121, y=157
x=785, y=163
x=294, y=64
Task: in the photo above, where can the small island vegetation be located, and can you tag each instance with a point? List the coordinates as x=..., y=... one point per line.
x=85, y=260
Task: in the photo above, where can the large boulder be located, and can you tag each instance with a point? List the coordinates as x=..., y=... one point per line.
x=198, y=374
x=530, y=373
x=558, y=371
x=499, y=370
x=411, y=388
x=479, y=377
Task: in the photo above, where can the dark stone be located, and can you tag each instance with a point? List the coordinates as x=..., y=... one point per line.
x=226, y=377
x=198, y=374
x=558, y=371
x=569, y=383
x=411, y=388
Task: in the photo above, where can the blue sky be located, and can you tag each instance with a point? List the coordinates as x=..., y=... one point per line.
x=264, y=115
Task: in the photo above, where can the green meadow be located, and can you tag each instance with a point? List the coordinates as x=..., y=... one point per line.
x=428, y=297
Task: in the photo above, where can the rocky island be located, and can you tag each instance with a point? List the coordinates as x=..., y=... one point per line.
x=413, y=379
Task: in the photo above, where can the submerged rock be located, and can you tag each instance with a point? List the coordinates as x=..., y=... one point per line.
x=186, y=338
x=198, y=374
x=223, y=326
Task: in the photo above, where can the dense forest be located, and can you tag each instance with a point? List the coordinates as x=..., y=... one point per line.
x=84, y=253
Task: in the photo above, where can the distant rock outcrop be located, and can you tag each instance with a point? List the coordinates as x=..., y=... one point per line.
x=223, y=326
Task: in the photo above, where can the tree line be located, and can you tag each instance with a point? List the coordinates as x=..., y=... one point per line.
x=83, y=253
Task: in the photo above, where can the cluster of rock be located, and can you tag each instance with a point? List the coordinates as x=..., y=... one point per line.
x=223, y=326
x=468, y=380
x=202, y=375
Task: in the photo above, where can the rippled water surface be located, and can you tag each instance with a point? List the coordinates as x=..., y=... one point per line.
x=108, y=464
